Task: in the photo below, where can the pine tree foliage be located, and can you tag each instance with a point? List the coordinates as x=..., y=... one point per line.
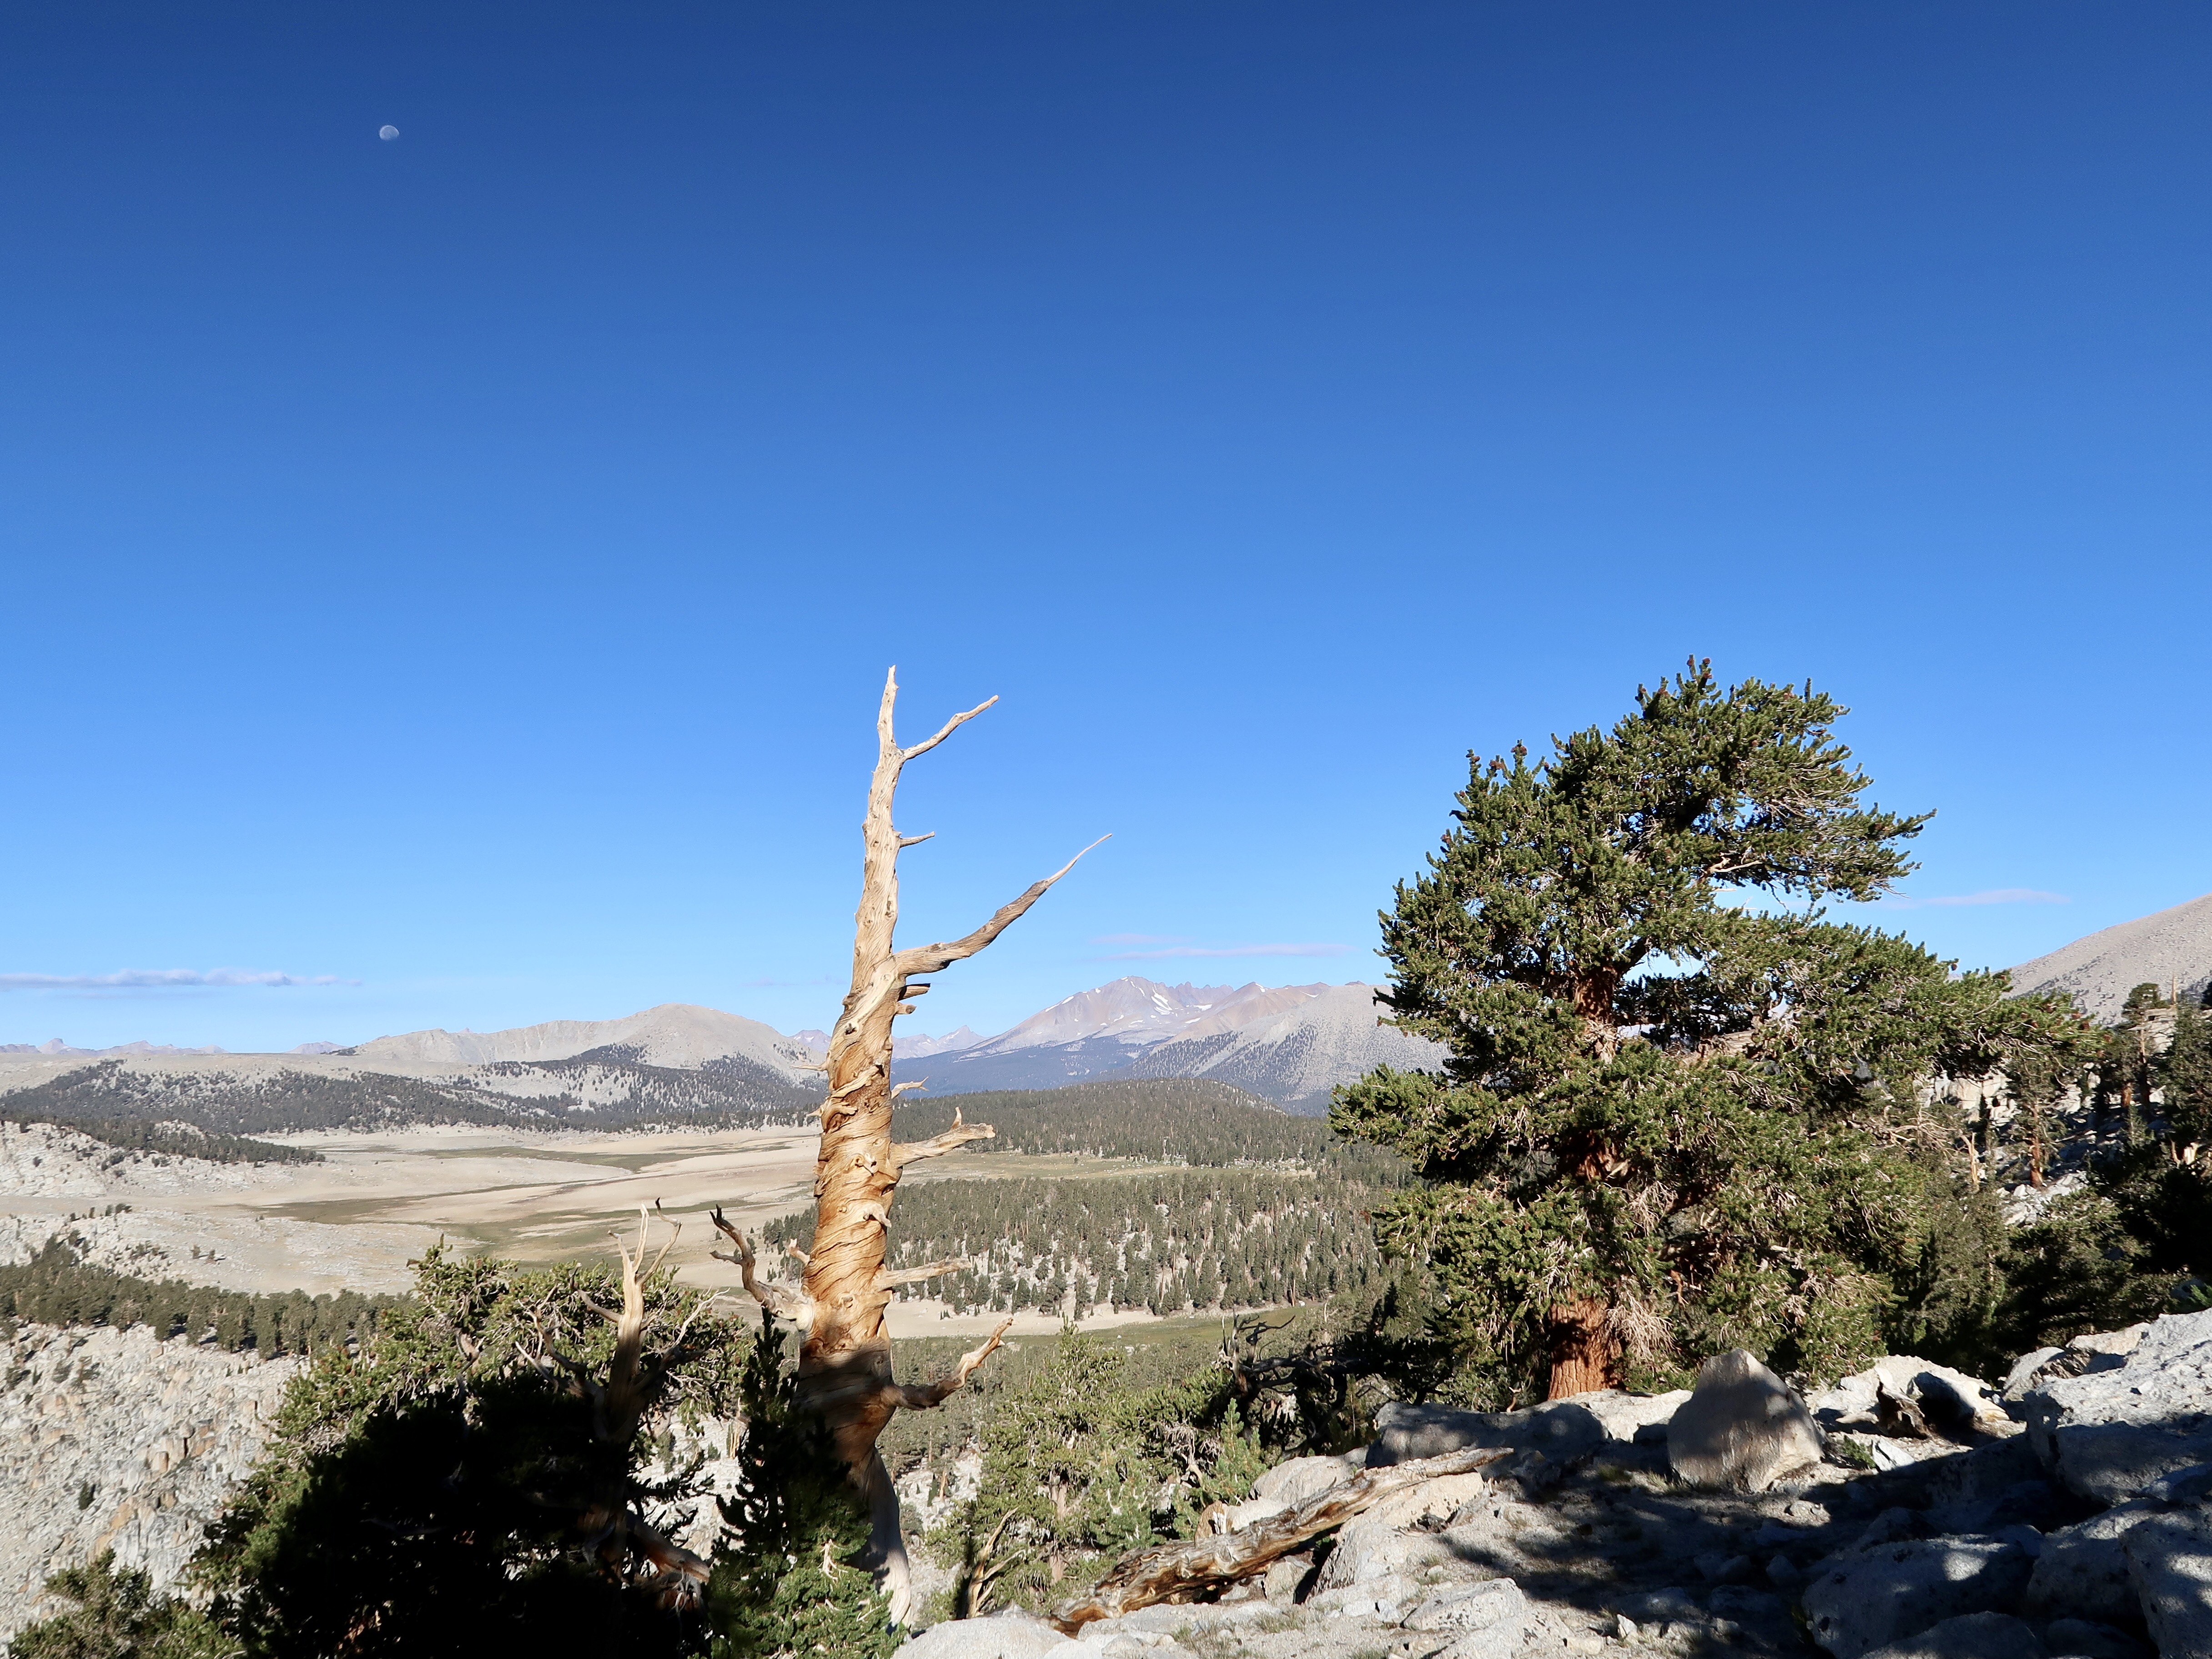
x=2185, y=1076
x=141, y=1140
x=792, y=1576
x=605, y=1089
x=1167, y=1242
x=2138, y=1241
x=447, y=1487
x=1159, y=1119
x=1671, y=1122
x=1081, y=1467
x=118, y=1615
x=57, y=1286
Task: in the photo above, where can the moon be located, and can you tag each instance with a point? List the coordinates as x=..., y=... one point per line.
x=387, y=133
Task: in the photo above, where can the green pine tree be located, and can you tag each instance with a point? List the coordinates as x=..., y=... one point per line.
x=2184, y=1076
x=118, y=1616
x=1670, y=1122
x=791, y=1576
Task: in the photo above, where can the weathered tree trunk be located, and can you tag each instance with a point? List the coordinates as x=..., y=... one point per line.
x=845, y=1359
x=616, y=1533
x=1584, y=1353
x=1184, y=1570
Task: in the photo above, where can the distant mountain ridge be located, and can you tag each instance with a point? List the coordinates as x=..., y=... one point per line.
x=675, y=1036
x=2169, y=948
x=1290, y=1044
x=58, y=1047
x=1137, y=1012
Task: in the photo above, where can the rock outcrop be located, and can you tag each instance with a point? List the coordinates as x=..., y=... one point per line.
x=1547, y=1439
x=111, y=1440
x=1714, y=1522
x=2112, y=1431
x=2170, y=1564
x=1875, y=1596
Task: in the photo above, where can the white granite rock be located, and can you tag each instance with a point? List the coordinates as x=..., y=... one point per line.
x=1554, y=1437
x=1741, y=1426
x=1492, y=1603
x=1301, y=1478
x=1008, y=1635
x=2170, y=1564
x=1382, y=1539
x=112, y=1440
x=1627, y=1416
x=2108, y=1433
x=1952, y=1403
x=1970, y=1635
x=2082, y=1572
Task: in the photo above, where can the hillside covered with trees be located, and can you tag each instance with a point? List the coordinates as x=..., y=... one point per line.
x=1254, y=1208
x=582, y=1092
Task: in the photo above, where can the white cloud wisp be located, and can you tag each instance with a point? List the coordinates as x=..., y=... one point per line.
x=1992, y=896
x=163, y=979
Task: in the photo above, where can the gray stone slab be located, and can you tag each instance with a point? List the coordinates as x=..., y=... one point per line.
x=2082, y=1572
x=2109, y=1433
x=2170, y=1564
x=1970, y=1635
x=1002, y=1636
x=1865, y=1598
x=1564, y=1433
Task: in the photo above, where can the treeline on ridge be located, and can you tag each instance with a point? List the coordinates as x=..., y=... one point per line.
x=579, y=1093
x=57, y=1286
x=159, y=1140
x=1159, y=1119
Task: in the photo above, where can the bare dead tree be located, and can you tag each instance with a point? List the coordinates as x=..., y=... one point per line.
x=845, y=1358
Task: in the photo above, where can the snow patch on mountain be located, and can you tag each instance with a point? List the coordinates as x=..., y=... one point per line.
x=1298, y=1057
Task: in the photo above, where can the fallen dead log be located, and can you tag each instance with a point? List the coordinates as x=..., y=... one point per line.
x=1189, y=1568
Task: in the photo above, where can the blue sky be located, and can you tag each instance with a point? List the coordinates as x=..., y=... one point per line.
x=461, y=568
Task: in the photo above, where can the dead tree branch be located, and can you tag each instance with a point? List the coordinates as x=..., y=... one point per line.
x=928, y=1395
x=1181, y=1571
x=791, y=1306
x=913, y=1152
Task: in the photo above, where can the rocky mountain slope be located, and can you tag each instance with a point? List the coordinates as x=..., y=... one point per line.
x=1290, y=1044
x=2167, y=948
x=1296, y=1058
x=1137, y=1012
x=111, y=1440
x=675, y=1035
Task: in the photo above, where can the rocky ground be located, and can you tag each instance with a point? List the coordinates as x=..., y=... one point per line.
x=1909, y=1513
x=109, y=1439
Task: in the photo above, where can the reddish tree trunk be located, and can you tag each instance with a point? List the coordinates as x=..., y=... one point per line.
x=1584, y=1355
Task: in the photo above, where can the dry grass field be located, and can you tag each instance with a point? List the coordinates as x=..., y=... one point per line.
x=376, y=1201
